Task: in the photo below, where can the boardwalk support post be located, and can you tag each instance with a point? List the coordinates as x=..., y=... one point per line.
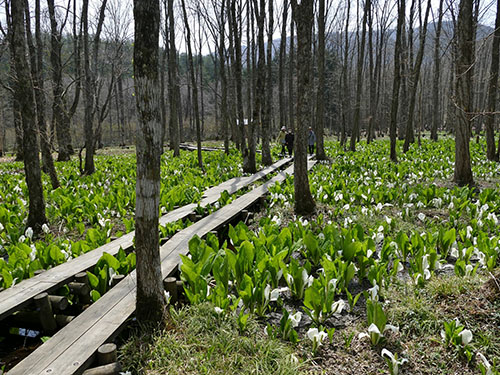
x=47, y=319
x=170, y=285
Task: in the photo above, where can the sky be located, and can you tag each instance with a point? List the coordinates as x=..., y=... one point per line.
x=119, y=17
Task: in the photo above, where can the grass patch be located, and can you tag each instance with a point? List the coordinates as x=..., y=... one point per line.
x=202, y=342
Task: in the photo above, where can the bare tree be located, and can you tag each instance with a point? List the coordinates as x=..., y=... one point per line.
x=414, y=79
x=36, y=57
x=397, y=79
x=359, y=79
x=90, y=82
x=436, y=103
x=194, y=86
x=150, y=303
x=303, y=16
x=24, y=95
x=465, y=39
x=491, y=153
x=320, y=101
x=281, y=71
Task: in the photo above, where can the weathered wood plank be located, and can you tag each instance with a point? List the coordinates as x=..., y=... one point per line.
x=71, y=350
x=17, y=297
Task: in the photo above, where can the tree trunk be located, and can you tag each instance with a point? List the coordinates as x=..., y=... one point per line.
x=223, y=77
x=267, y=116
x=345, y=85
x=37, y=74
x=320, y=102
x=194, y=86
x=359, y=79
x=436, y=102
x=281, y=72
x=173, y=86
x=491, y=153
x=150, y=303
x=88, y=98
x=291, y=72
x=58, y=106
x=24, y=95
x=236, y=31
x=414, y=79
x=463, y=92
x=397, y=80
x=90, y=89
x=303, y=16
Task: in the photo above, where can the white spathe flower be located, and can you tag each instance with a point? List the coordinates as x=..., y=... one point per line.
x=395, y=362
x=469, y=231
x=421, y=216
x=468, y=269
x=316, y=336
x=275, y=293
x=218, y=310
x=1, y=227
x=466, y=336
x=22, y=238
x=486, y=364
x=29, y=233
x=295, y=319
x=338, y=306
x=390, y=327
x=45, y=228
x=292, y=358
x=373, y=329
x=374, y=292
x=289, y=278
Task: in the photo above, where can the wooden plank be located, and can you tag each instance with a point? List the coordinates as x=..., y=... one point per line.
x=17, y=297
x=71, y=349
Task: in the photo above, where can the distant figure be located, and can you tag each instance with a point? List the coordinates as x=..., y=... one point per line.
x=311, y=140
x=289, y=142
x=281, y=140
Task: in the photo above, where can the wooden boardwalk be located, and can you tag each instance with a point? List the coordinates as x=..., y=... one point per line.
x=71, y=350
x=17, y=297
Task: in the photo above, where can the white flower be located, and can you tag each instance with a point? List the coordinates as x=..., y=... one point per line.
x=390, y=327
x=316, y=336
x=1, y=227
x=469, y=231
x=338, y=306
x=421, y=216
x=374, y=292
x=373, y=329
x=29, y=233
x=395, y=362
x=466, y=336
x=289, y=278
x=275, y=293
x=485, y=363
x=295, y=319
x=218, y=310
x=45, y=228
x=22, y=238
x=167, y=296
x=293, y=359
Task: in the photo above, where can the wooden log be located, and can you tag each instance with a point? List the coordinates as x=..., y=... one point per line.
x=116, y=279
x=46, y=315
x=82, y=278
x=80, y=289
x=170, y=285
x=63, y=320
x=106, y=354
x=109, y=369
x=58, y=302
